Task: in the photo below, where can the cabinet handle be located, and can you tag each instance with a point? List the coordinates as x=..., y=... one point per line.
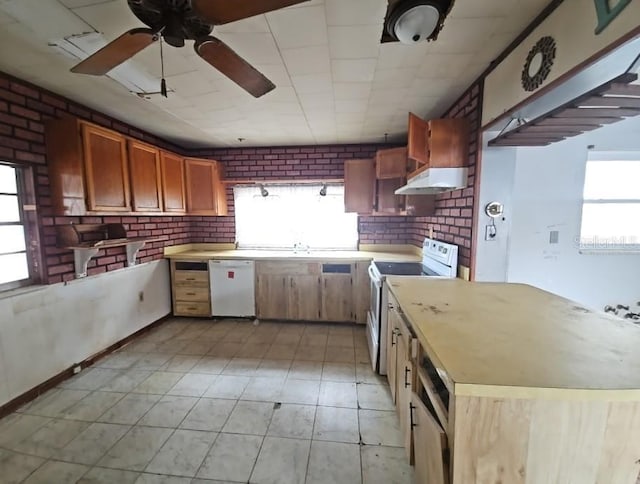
x=411, y=407
x=191, y=294
x=406, y=372
x=191, y=278
x=393, y=333
x=390, y=306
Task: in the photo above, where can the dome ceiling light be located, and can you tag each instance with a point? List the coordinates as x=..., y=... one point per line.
x=413, y=21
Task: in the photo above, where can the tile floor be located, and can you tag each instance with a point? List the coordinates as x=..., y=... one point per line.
x=215, y=402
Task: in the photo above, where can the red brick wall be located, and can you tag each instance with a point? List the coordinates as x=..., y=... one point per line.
x=291, y=163
x=23, y=110
x=453, y=220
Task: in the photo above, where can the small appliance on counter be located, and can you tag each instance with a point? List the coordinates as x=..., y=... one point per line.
x=439, y=260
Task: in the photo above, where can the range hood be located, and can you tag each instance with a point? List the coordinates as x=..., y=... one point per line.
x=435, y=180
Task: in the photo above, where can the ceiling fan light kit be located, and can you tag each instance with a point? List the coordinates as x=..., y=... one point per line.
x=179, y=20
x=413, y=21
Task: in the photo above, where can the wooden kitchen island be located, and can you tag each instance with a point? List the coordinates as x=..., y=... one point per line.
x=506, y=383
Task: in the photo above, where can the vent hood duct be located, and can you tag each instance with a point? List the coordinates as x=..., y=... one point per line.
x=435, y=180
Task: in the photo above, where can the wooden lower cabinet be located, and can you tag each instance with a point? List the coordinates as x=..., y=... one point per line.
x=271, y=296
x=337, y=297
x=392, y=349
x=190, y=290
x=429, y=444
x=404, y=376
x=304, y=298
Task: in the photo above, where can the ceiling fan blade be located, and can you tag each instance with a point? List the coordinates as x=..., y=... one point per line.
x=223, y=58
x=218, y=12
x=115, y=53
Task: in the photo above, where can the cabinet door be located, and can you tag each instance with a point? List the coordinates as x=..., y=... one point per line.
x=173, y=186
x=388, y=201
x=429, y=444
x=359, y=186
x=146, y=180
x=202, y=198
x=391, y=163
x=337, y=297
x=304, y=298
x=220, y=190
x=392, y=350
x=448, y=143
x=105, y=157
x=404, y=373
x=271, y=296
x=362, y=291
x=417, y=149
x=421, y=205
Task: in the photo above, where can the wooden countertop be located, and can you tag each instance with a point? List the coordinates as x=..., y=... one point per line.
x=514, y=335
x=355, y=255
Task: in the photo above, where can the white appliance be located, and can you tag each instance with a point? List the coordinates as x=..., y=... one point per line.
x=435, y=180
x=232, y=284
x=439, y=260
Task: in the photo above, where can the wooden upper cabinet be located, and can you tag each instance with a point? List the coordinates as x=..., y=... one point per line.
x=359, y=186
x=146, y=180
x=417, y=149
x=173, y=183
x=204, y=187
x=388, y=202
x=448, y=143
x=220, y=190
x=391, y=163
x=107, y=174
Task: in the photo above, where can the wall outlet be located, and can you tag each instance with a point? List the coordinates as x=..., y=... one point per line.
x=554, y=237
x=490, y=232
x=141, y=296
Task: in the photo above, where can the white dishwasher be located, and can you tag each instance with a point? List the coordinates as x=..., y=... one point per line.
x=232, y=285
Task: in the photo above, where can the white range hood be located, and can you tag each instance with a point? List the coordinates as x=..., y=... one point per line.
x=435, y=180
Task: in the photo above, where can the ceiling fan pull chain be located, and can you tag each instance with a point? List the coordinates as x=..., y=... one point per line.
x=163, y=82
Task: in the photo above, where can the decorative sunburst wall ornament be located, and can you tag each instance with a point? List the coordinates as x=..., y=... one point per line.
x=539, y=62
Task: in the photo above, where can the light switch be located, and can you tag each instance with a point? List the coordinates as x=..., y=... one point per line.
x=490, y=232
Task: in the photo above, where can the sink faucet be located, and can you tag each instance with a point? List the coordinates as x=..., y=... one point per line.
x=300, y=247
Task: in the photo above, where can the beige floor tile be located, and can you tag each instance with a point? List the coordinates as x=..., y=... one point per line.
x=126, y=381
x=314, y=339
x=263, y=389
x=171, y=347
x=362, y=355
x=152, y=361
x=55, y=402
x=181, y=363
x=242, y=367
x=337, y=425
x=365, y=374
x=90, y=379
x=169, y=412
x=50, y=438
x=341, y=340
x=89, y=447
x=292, y=421
x=161, y=479
x=57, y=472
x=192, y=385
x=281, y=461
x=374, y=397
x=211, y=365
x=338, y=394
x=121, y=360
x=208, y=414
x=288, y=338
x=306, y=370
x=228, y=386
x=252, y=350
x=264, y=338
x=339, y=354
x=300, y=391
x=334, y=463
x=274, y=368
x=130, y=409
x=249, y=418
x=159, y=383
x=380, y=428
x=14, y=468
x=198, y=347
x=182, y=453
x=385, y=465
x=237, y=336
x=339, y=372
x=100, y=475
x=231, y=458
x=281, y=351
x=92, y=406
x=310, y=353
x=16, y=427
x=136, y=449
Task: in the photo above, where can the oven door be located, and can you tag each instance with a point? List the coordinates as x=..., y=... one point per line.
x=373, y=318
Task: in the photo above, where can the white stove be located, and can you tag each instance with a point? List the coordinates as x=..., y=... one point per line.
x=439, y=260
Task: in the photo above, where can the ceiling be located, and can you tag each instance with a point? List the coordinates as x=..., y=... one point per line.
x=335, y=82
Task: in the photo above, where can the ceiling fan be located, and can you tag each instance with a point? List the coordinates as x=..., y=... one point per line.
x=179, y=20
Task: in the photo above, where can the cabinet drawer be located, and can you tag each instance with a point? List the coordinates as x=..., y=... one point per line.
x=288, y=268
x=192, y=309
x=192, y=278
x=186, y=293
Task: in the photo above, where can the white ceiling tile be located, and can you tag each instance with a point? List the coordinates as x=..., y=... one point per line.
x=307, y=60
x=253, y=47
x=257, y=24
x=351, y=90
x=465, y=35
x=312, y=83
x=298, y=27
x=111, y=18
x=444, y=66
x=354, y=42
x=394, y=78
x=356, y=12
x=352, y=107
x=353, y=70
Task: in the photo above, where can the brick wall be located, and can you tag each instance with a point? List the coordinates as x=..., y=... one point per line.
x=453, y=220
x=291, y=163
x=23, y=110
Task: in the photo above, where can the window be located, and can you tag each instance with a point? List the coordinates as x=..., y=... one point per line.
x=294, y=214
x=611, y=202
x=15, y=259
